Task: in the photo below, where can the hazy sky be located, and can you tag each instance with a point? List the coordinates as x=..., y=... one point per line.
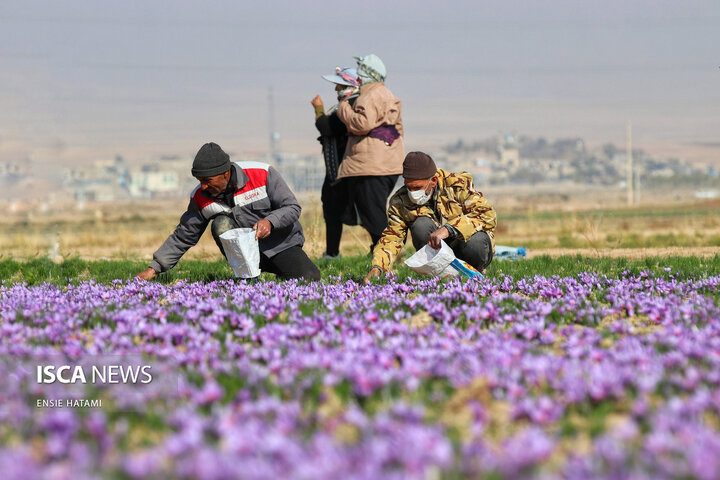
x=85, y=80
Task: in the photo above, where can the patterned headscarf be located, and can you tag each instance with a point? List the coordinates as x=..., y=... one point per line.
x=371, y=69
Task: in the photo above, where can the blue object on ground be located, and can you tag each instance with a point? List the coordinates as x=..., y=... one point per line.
x=465, y=269
x=510, y=253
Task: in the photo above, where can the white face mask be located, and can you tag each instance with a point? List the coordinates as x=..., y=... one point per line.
x=419, y=197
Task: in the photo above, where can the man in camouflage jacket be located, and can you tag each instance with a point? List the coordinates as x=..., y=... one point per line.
x=436, y=205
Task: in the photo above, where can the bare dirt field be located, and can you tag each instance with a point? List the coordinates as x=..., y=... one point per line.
x=703, y=252
x=590, y=221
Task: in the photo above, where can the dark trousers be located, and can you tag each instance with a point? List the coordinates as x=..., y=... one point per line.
x=292, y=262
x=334, y=203
x=477, y=251
x=367, y=199
x=333, y=234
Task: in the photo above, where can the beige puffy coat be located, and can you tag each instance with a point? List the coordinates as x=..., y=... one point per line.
x=365, y=155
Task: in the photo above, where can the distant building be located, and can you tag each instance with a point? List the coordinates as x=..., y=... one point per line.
x=153, y=184
x=166, y=177
x=96, y=191
x=303, y=173
x=14, y=170
x=663, y=172
x=103, y=182
x=508, y=152
x=707, y=194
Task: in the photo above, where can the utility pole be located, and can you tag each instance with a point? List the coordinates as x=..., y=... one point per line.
x=274, y=135
x=629, y=165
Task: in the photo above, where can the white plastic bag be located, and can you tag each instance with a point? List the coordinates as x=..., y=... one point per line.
x=432, y=262
x=242, y=252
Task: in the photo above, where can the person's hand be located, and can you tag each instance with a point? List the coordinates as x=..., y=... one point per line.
x=317, y=101
x=437, y=236
x=147, y=274
x=262, y=228
x=374, y=272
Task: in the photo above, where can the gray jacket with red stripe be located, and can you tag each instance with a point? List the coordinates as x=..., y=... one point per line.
x=260, y=193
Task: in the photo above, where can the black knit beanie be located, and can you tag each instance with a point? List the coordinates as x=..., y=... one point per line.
x=418, y=166
x=210, y=161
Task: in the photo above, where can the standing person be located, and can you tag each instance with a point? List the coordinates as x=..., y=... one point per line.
x=436, y=205
x=375, y=150
x=232, y=195
x=333, y=137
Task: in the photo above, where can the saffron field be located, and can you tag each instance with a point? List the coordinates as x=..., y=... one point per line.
x=548, y=368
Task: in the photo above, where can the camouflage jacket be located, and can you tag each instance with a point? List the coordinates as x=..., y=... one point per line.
x=455, y=202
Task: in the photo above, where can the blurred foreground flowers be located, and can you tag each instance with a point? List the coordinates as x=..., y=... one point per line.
x=579, y=377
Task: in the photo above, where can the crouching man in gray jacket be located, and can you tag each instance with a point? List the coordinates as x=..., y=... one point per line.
x=232, y=195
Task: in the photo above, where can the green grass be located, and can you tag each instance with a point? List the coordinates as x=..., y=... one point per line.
x=348, y=268
x=709, y=210
x=680, y=267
